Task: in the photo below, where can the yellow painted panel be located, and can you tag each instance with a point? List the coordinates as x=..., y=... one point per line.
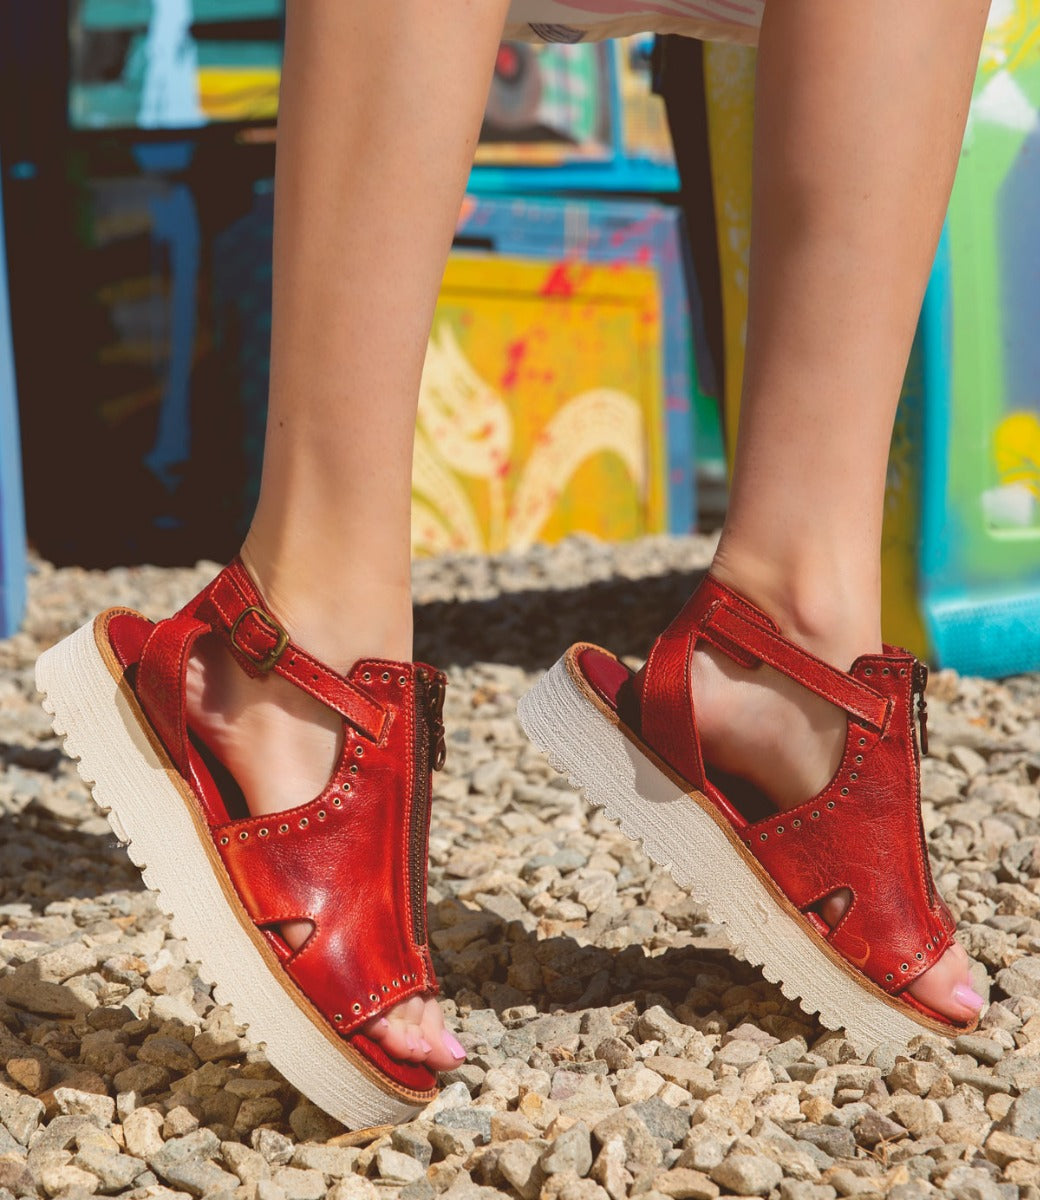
x=541, y=410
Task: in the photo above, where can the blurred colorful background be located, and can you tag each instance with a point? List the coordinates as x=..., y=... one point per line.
x=584, y=369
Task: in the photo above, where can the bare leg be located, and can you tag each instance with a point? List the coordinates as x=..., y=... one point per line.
x=381, y=107
x=860, y=113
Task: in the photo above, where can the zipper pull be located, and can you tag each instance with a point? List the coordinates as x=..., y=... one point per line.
x=920, y=685
x=435, y=684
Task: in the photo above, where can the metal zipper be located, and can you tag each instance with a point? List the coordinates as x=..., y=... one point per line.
x=920, y=686
x=429, y=728
x=919, y=683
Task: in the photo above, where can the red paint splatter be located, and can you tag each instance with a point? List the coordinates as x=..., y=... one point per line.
x=515, y=354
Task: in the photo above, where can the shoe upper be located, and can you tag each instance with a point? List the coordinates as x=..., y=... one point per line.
x=352, y=861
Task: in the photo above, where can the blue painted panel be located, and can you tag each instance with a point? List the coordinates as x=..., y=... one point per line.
x=12, y=514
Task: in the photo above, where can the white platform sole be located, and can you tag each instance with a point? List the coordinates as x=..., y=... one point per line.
x=145, y=808
x=561, y=718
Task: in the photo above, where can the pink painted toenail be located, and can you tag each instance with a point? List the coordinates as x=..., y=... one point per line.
x=453, y=1046
x=967, y=996
x=425, y=1046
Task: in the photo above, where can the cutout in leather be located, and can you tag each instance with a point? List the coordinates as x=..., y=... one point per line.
x=831, y=909
x=274, y=935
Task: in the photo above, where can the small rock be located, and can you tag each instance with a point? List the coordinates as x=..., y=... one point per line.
x=1023, y=1118
x=115, y=1171
x=571, y=1151
x=198, y=1177
x=59, y=1181
x=476, y=1119
x=334, y=1162
x=395, y=1167
x=28, y=1072
x=179, y=1121
x=656, y=1025
x=662, y=1120
x=518, y=1165
x=141, y=1132
x=311, y=1124
x=274, y=1146
x=300, y=1184
x=748, y=1174
x=413, y=1140
x=354, y=1187
x=873, y=1128
x=683, y=1184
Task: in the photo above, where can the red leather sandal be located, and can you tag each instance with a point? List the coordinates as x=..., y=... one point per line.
x=353, y=861
x=630, y=741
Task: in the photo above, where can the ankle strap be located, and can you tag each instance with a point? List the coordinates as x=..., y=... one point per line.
x=259, y=643
x=721, y=617
x=731, y=628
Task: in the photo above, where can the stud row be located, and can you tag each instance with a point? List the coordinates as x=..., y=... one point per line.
x=401, y=679
x=358, y=1007
x=918, y=955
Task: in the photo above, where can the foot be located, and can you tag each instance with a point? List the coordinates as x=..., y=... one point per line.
x=765, y=728
x=281, y=746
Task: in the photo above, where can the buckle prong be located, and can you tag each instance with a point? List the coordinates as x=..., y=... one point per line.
x=266, y=663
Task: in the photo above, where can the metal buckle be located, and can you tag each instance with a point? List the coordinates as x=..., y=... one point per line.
x=281, y=638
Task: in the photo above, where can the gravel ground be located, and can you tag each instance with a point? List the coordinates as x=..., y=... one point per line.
x=615, y=1048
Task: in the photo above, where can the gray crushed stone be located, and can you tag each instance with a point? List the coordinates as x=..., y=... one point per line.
x=615, y=1049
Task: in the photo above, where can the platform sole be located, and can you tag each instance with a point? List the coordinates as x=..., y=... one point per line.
x=577, y=733
x=136, y=790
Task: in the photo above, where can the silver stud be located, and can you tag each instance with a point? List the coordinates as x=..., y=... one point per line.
x=889, y=977
x=283, y=828
x=815, y=815
x=373, y=996
x=224, y=841
x=322, y=814
x=902, y=671
x=336, y=801
x=830, y=803
x=357, y=1008
x=353, y=768
x=854, y=776
x=397, y=983
x=402, y=680
x=904, y=966
x=796, y=823
x=844, y=791
x=868, y=671
x=862, y=741
x=919, y=956
x=763, y=837
x=337, y=1016
x=385, y=988
x=346, y=786
x=359, y=750
x=386, y=676
x=304, y=822
x=886, y=671
x=367, y=677
x=263, y=832
x=779, y=828
x=859, y=759
x=243, y=836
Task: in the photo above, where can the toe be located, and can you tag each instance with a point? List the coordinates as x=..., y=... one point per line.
x=946, y=987
x=447, y=1052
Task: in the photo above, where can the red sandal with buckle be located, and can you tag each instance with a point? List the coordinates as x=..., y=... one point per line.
x=630, y=741
x=352, y=862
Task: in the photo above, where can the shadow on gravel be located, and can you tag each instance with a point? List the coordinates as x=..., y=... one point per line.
x=531, y=629
x=510, y=966
x=43, y=860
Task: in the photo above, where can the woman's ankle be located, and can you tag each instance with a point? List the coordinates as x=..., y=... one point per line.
x=337, y=609
x=828, y=607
